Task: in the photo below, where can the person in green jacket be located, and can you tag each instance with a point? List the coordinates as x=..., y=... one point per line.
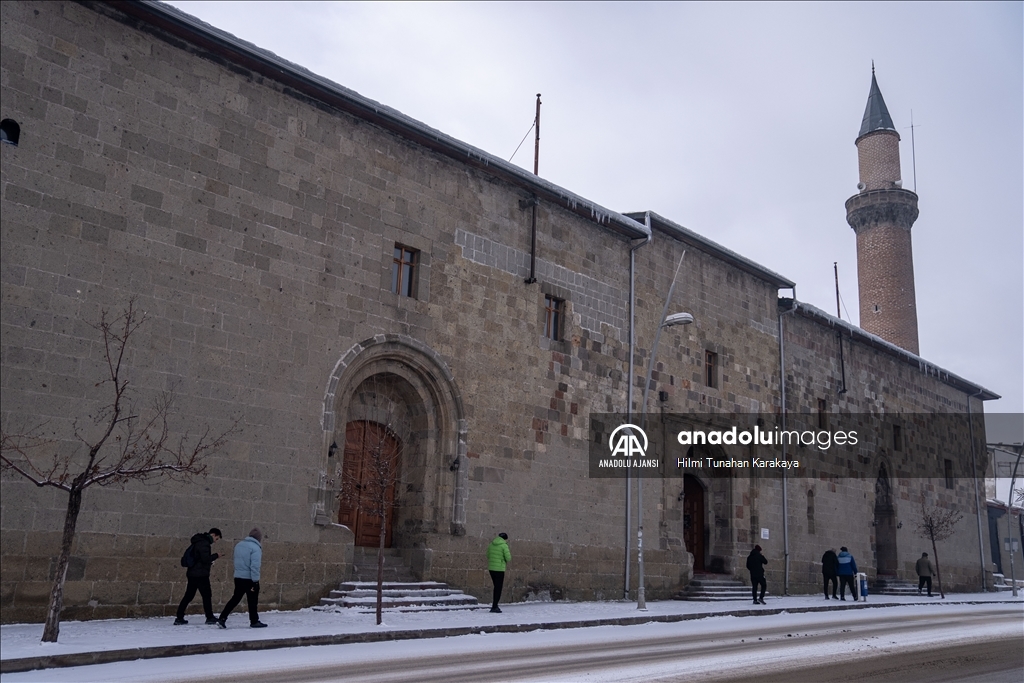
x=498, y=557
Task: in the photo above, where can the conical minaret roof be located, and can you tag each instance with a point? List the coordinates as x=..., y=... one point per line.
x=876, y=114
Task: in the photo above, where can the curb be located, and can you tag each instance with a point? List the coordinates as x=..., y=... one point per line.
x=8, y=666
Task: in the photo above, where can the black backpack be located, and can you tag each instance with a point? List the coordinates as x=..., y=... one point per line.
x=188, y=558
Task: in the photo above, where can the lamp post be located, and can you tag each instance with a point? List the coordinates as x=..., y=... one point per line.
x=665, y=321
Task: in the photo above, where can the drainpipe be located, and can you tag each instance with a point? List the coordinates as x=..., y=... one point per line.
x=629, y=394
x=785, y=481
x=977, y=494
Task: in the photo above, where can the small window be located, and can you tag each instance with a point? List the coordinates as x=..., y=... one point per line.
x=949, y=473
x=897, y=438
x=810, y=511
x=403, y=271
x=554, y=311
x=711, y=369
x=10, y=132
x=822, y=414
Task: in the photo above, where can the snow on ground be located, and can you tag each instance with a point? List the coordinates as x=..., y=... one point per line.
x=23, y=640
x=122, y=633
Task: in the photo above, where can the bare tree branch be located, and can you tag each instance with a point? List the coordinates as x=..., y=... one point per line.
x=129, y=447
x=937, y=524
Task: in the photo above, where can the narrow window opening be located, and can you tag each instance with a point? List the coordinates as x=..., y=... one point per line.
x=822, y=414
x=553, y=314
x=10, y=132
x=403, y=271
x=810, y=511
x=948, y=467
x=711, y=369
x=897, y=438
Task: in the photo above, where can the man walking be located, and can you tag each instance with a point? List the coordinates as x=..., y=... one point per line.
x=925, y=572
x=498, y=557
x=755, y=565
x=198, y=575
x=846, y=571
x=829, y=566
x=248, y=560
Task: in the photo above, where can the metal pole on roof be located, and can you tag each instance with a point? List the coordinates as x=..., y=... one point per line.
x=536, y=141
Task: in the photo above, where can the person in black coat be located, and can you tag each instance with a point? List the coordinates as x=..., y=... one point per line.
x=198, y=575
x=829, y=569
x=755, y=565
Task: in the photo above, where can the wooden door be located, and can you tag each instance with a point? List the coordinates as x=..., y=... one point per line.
x=693, y=520
x=369, y=472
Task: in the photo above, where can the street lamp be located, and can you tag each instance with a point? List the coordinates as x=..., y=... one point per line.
x=666, y=321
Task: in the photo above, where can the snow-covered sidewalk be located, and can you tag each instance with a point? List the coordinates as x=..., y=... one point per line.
x=83, y=642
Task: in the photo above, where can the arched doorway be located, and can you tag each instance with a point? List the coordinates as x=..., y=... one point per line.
x=693, y=520
x=401, y=384
x=885, y=526
x=371, y=469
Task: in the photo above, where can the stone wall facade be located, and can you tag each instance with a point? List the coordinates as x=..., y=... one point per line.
x=257, y=226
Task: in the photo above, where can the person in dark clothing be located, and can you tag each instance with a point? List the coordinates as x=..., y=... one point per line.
x=198, y=575
x=755, y=565
x=847, y=570
x=829, y=569
x=925, y=572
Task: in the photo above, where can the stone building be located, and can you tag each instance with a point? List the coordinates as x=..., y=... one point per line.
x=316, y=265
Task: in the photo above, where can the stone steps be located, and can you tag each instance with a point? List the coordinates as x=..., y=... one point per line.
x=714, y=588
x=418, y=594
x=894, y=586
x=1002, y=583
x=400, y=590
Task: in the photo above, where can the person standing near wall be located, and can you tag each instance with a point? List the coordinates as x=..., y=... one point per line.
x=829, y=567
x=755, y=565
x=248, y=561
x=846, y=571
x=198, y=575
x=498, y=557
x=925, y=572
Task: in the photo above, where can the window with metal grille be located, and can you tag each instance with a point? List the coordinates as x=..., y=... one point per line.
x=711, y=369
x=553, y=313
x=403, y=271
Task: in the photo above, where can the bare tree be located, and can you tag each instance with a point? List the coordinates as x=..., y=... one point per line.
x=937, y=524
x=369, y=480
x=121, y=444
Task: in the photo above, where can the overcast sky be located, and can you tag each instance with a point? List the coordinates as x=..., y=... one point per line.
x=735, y=120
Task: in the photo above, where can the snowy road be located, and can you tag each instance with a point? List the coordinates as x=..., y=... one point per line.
x=905, y=644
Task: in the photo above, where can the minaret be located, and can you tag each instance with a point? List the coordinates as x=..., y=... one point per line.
x=882, y=214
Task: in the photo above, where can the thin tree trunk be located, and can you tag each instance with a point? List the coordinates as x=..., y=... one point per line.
x=380, y=569
x=52, y=627
x=938, y=573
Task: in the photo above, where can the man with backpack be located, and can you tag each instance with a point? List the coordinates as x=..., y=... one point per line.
x=198, y=559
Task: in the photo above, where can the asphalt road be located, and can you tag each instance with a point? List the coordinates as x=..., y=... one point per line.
x=871, y=648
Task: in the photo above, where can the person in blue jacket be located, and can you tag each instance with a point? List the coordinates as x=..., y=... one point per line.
x=847, y=569
x=248, y=560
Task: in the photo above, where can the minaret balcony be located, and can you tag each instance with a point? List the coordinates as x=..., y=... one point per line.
x=874, y=207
